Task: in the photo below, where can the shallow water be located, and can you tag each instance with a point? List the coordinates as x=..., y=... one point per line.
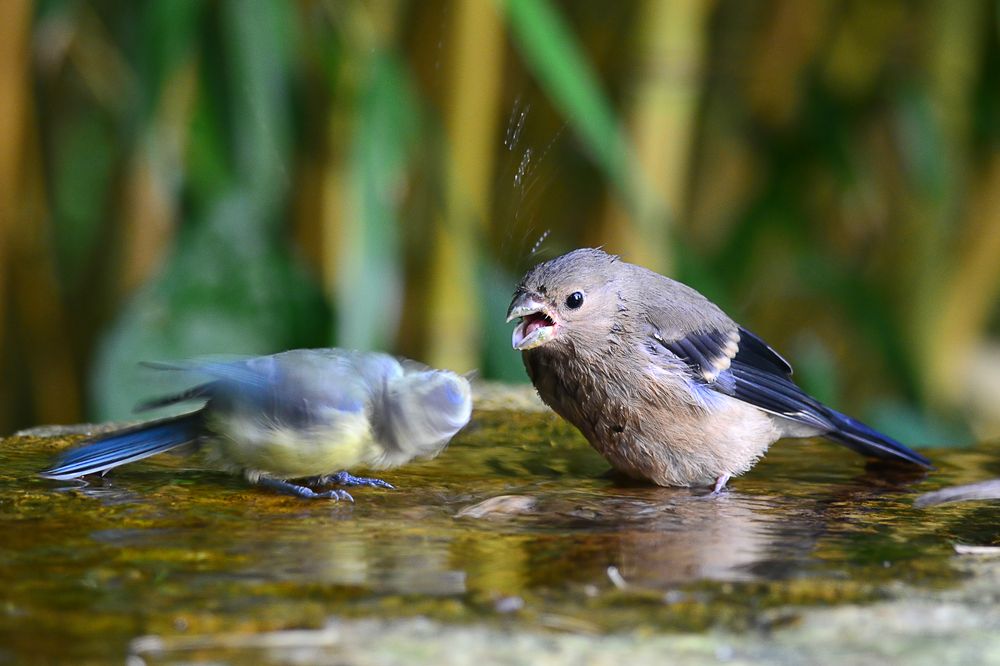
x=161, y=548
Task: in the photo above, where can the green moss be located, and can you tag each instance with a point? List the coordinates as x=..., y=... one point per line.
x=162, y=547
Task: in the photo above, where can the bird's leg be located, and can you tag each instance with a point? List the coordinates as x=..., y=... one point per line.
x=289, y=488
x=345, y=478
x=720, y=484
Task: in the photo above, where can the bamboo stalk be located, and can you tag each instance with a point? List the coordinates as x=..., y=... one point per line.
x=949, y=315
x=14, y=34
x=24, y=226
x=346, y=237
x=969, y=295
x=149, y=210
x=472, y=117
x=670, y=51
x=783, y=50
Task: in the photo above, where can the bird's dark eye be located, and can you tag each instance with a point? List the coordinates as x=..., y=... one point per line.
x=574, y=300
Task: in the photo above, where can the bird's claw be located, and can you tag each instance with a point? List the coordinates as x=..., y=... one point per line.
x=347, y=479
x=336, y=494
x=305, y=492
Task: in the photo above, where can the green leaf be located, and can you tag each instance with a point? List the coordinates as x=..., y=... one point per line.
x=556, y=57
x=369, y=286
x=224, y=292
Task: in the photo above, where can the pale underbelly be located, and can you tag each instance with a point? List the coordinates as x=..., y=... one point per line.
x=687, y=448
x=256, y=449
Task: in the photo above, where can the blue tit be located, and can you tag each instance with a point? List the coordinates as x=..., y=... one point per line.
x=304, y=414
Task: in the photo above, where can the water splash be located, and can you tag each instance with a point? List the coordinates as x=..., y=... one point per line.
x=515, y=124
x=523, y=169
x=528, y=181
x=538, y=243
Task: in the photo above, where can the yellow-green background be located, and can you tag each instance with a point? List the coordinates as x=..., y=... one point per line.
x=182, y=177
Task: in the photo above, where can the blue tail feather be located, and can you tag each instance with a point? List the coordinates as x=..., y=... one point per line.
x=107, y=451
x=867, y=441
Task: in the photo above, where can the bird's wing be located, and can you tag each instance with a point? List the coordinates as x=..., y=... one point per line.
x=294, y=388
x=737, y=363
x=754, y=352
x=692, y=328
x=749, y=370
x=709, y=353
x=774, y=393
x=220, y=370
x=690, y=332
x=706, y=353
x=199, y=392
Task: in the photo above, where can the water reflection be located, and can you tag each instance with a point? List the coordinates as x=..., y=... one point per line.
x=730, y=538
x=378, y=560
x=660, y=537
x=192, y=544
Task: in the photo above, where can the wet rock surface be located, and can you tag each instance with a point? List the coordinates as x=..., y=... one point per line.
x=515, y=544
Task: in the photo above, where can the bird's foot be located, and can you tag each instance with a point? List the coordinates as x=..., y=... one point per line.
x=289, y=488
x=347, y=479
x=720, y=484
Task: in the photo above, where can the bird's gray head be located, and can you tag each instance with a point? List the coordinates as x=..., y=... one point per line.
x=421, y=411
x=563, y=298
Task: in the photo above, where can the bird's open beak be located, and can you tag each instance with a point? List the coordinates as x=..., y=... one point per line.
x=536, y=326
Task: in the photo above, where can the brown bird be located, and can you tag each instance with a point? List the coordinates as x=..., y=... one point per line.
x=660, y=381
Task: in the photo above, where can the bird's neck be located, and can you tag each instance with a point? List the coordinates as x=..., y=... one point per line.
x=574, y=382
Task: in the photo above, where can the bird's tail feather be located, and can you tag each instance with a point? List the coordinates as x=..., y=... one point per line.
x=107, y=451
x=867, y=441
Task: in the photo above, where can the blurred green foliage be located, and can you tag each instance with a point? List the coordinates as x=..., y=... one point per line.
x=189, y=177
